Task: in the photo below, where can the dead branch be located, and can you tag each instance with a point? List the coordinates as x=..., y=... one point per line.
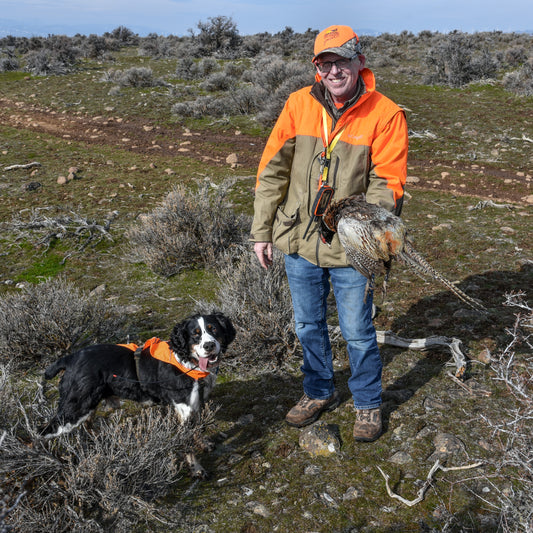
x=421, y=493
x=523, y=138
x=26, y=166
x=451, y=343
x=467, y=388
x=489, y=203
x=71, y=225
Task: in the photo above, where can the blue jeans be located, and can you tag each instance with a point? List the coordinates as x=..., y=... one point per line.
x=309, y=285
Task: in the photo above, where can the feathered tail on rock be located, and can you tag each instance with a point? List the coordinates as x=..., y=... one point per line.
x=372, y=236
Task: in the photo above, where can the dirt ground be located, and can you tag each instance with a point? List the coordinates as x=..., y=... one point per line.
x=142, y=137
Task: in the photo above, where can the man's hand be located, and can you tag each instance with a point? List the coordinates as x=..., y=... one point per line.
x=263, y=250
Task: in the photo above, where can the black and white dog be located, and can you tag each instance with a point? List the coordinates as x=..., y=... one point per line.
x=180, y=372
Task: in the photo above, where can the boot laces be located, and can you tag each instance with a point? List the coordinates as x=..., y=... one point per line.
x=364, y=415
x=304, y=401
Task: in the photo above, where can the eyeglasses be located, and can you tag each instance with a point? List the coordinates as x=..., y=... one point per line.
x=342, y=63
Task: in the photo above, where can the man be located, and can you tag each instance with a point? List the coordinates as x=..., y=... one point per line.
x=341, y=134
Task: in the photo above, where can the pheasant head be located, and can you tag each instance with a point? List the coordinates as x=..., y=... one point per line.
x=328, y=223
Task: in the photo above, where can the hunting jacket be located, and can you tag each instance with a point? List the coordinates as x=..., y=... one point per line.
x=369, y=157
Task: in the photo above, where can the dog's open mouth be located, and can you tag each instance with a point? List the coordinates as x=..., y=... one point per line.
x=207, y=362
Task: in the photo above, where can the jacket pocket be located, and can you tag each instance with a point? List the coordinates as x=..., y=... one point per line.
x=283, y=230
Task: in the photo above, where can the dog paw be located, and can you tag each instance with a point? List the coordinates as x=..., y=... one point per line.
x=196, y=469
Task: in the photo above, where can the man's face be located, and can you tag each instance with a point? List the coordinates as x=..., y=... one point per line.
x=341, y=79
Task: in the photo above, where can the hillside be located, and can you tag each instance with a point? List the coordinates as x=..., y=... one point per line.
x=133, y=121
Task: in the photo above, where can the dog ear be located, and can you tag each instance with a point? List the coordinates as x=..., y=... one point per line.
x=179, y=338
x=227, y=326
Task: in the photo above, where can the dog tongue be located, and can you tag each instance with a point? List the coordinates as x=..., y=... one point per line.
x=202, y=363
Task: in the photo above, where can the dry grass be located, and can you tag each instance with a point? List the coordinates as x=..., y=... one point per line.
x=53, y=318
x=186, y=230
x=108, y=476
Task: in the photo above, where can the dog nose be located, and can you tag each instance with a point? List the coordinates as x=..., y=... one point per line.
x=209, y=346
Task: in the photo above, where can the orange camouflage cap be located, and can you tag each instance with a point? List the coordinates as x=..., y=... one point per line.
x=340, y=40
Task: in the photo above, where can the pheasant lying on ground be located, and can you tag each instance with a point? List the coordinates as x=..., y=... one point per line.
x=372, y=236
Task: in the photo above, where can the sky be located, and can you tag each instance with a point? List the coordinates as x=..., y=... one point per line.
x=177, y=17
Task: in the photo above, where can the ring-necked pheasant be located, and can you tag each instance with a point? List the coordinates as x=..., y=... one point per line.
x=372, y=236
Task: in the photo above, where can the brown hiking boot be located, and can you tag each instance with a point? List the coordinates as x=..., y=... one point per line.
x=367, y=427
x=308, y=410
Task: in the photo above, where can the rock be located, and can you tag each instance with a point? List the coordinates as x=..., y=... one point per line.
x=351, y=494
x=431, y=404
x=232, y=160
x=400, y=458
x=484, y=356
x=412, y=179
x=507, y=229
x=320, y=439
x=245, y=420
x=259, y=508
x=528, y=199
x=132, y=309
x=62, y=180
x=328, y=500
x=312, y=470
x=98, y=291
x=446, y=444
x=32, y=186
x=424, y=432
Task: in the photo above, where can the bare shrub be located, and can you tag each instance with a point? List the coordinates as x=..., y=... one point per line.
x=189, y=69
x=133, y=77
x=259, y=302
x=515, y=56
x=157, y=46
x=218, y=35
x=239, y=101
x=9, y=64
x=184, y=68
x=44, y=63
x=187, y=229
x=124, y=36
x=263, y=90
x=245, y=100
x=274, y=104
x=106, y=479
x=52, y=318
x=270, y=72
x=219, y=81
x=520, y=81
x=96, y=47
x=453, y=61
x=200, y=107
x=513, y=367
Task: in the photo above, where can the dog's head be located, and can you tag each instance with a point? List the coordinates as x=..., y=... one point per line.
x=202, y=339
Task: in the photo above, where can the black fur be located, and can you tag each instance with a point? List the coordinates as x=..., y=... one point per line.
x=105, y=370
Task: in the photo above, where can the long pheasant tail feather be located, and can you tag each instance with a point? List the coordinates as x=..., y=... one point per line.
x=412, y=258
